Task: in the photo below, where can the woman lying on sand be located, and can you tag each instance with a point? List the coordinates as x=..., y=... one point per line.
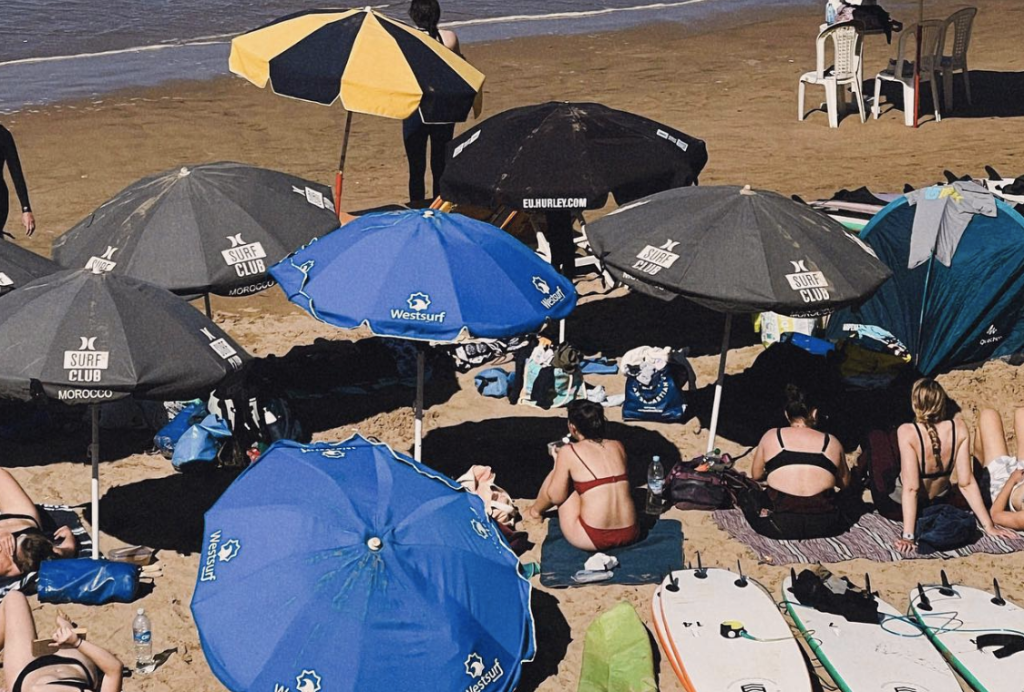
x=23, y=545
x=930, y=449
x=805, y=472
x=590, y=485
x=1005, y=473
x=75, y=664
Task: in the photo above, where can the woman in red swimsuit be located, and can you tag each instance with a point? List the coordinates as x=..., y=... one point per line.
x=590, y=485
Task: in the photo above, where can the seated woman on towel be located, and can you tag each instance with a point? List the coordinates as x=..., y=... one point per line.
x=1005, y=473
x=930, y=449
x=804, y=472
x=590, y=485
x=23, y=545
x=75, y=663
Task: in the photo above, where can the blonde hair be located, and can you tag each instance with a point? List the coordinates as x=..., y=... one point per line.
x=928, y=399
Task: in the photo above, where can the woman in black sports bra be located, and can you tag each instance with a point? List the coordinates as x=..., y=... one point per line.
x=75, y=663
x=23, y=545
x=930, y=449
x=803, y=470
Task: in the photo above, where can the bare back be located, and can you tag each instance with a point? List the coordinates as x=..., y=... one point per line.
x=934, y=472
x=608, y=505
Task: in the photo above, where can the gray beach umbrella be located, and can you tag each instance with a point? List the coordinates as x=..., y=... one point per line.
x=19, y=266
x=736, y=250
x=196, y=230
x=85, y=337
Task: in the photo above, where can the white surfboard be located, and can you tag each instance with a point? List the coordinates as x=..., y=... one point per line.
x=894, y=656
x=955, y=620
x=688, y=622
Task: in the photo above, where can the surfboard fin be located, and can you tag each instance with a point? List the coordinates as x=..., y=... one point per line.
x=867, y=585
x=702, y=572
x=742, y=581
x=923, y=603
x=992, y=173
x=998, y=600
x=947, y=588
x=673, y=583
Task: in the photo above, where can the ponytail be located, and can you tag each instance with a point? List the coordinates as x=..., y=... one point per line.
x=928, y=399
x=426, y=14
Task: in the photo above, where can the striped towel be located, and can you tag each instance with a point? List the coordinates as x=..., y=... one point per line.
x=873, y=537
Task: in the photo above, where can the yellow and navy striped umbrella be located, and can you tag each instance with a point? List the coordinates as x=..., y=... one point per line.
x=374, y=64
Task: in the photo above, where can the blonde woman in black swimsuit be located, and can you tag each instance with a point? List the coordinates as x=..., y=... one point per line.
x=931, y=448
x=75, y=664
x=23, y=545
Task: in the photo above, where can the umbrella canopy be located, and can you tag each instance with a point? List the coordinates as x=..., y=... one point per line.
x=737, y=250
x=19, y=266
x=88, y=337
x=425, y=275
x=561, y=155
x=372, y=63
x=211, y=228
x=373, y=572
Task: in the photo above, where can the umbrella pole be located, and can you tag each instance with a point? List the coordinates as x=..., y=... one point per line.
x=206, y=303
x=420, y=373
x=917, y=65
x=339, y=179
x=94, y=453
x=713, y=430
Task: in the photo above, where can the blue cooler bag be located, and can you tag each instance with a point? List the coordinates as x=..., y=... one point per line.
x=85, y=581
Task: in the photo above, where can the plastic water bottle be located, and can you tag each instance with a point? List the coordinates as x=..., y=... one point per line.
x=656, y=476
x=142, y=633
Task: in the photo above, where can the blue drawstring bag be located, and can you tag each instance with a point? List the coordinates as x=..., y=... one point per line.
x=494, y=382
x=172, y=432
x=85, y=581
x=200, y=442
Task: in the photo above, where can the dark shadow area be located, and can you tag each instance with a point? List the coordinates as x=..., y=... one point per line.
x=993, y=95
x=163, y=513
x=516, y=448
x=331, y=383
x=553, y=637
x=597, y=326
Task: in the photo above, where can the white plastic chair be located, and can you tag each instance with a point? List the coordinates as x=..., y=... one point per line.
x=846, y=70
x=962, y=22
x=901, y=70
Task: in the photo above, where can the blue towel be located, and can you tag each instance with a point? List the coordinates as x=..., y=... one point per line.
x=598, y=366
x=944, y=527
x=646, y=562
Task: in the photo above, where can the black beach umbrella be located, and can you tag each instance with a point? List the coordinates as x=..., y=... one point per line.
x=561, y=155
x=19, y=266
x=736, y=250
x=211, y=228
x=84, y=337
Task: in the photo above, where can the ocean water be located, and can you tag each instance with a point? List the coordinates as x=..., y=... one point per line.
x=52, y=50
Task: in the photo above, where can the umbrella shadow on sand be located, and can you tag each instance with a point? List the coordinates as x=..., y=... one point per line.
x=163, y=513
x=553, y=637
x=516, y=449
x=614, y=326
x=68, y=441
x=993, y=95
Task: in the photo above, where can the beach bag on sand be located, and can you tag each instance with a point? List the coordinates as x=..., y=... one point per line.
x=658, y=397
x=617, y=655
x=200, y=443
x=546, y=385
x=696, y=484
x=168, y=436
x=88, y=582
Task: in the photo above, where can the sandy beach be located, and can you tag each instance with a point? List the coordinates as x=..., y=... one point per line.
x=733, y=87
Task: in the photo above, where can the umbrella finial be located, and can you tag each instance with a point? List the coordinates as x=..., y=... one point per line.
x=374, y=544
x=428, y=213
x=747, y=191
x=183, y=172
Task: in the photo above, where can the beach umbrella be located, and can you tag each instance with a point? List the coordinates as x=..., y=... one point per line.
x=736, y=250
x=86, y=337
x=210, y=228
x=369, y=62
x=19, y=266
x=345, y=566
x=562, y=155
x=425, y=275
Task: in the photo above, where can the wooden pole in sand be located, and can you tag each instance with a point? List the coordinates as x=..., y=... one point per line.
x=917, y=65
x=339, y=179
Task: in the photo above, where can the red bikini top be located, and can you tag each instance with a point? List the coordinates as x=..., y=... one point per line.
x=584, y=486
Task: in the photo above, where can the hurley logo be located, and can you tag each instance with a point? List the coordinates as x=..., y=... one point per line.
x=418, y=303
x=246, y=258
x=652, y=260
x=86, y=364
x=104, y=262
x=810, y=284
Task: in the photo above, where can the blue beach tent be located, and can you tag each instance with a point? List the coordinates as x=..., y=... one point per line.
x=969, y=312
x=345, y=567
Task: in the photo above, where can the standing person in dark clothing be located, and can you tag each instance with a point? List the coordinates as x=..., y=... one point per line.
x=560, y=238
x=9, y=156
x=425, y=14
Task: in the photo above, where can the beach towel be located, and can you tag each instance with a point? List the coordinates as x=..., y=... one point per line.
x=646, y=562
x=873, y=537
x=53, y=517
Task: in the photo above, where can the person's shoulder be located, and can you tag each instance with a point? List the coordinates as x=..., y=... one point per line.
x=449, y=38
x=905, y=430
x=771, y=434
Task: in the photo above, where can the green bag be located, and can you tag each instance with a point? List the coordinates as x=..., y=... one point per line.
x=617, y=654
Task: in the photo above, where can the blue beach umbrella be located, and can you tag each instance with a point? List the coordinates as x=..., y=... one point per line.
x=345, y=566
x=425, y=275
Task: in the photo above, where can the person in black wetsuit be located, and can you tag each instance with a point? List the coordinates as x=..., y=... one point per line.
x=425, y=14
x=807, y=491
x=9, y=156
x=75, y=664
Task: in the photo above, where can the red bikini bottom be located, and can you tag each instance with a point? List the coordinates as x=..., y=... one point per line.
x=604, y=539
